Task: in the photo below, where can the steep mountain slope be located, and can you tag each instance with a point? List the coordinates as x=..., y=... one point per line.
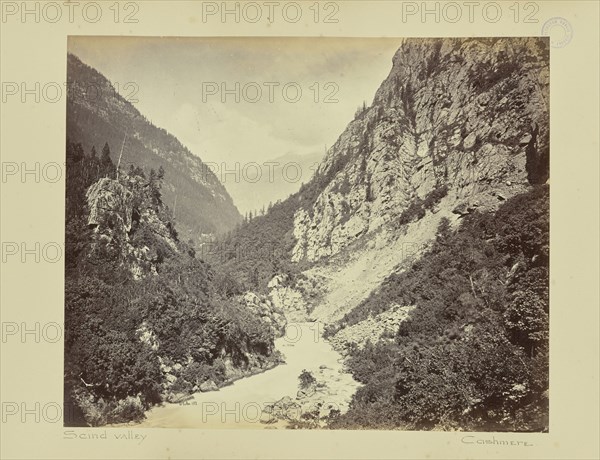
x=145, y=320
x=96, y=113
x=458, y=125
x=468, y=114
x=473, y=353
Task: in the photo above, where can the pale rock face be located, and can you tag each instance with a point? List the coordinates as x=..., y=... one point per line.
x=371, y=329
x=267, y=311
x=289, y=301
x=471, y=114
x=109, y=199
x=111, y=215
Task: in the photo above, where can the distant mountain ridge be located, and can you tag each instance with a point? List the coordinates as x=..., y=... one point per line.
x=96, y=114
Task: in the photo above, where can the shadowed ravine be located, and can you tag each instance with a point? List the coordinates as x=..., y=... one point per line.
x=240, y=405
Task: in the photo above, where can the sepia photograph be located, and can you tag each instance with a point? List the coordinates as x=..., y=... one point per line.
x=307, y=233
x=295, y=230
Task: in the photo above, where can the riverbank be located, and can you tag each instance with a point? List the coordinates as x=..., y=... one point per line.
x=249, y=401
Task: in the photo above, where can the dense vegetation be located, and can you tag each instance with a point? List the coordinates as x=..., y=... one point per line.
x=145, y=319
x=261, y=247
x=474, y=353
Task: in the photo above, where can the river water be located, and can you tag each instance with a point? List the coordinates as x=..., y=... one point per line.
x=240, y=404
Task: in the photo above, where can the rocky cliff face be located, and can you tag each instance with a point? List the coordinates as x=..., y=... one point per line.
x=263, y=308
x=97, y=113
x=470, y=115
x=127, y=227
x=371, y=330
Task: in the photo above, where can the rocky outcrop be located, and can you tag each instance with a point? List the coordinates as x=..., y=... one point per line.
x=118, y=211
x=288, y=299
x=267, y=311
x=371, y=329
x=470, y=114
x=111, y=206
x=330, y=394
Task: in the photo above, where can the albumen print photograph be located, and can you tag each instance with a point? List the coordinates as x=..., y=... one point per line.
x=307, y=233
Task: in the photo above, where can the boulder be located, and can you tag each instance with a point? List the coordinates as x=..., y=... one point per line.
x=461, y=209
x=470, y=141
x=305, y=392
x=209, y=385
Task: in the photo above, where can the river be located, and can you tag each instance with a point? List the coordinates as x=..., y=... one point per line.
x=240, y=405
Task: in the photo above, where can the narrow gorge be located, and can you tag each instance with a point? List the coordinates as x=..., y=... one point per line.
x=404, y=286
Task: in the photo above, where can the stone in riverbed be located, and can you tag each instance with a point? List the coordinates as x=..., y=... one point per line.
x=306, y=392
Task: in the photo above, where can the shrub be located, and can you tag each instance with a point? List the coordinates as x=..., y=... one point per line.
x=474, y=353
x=416, y=209
x=127, y=410
x=307, y=379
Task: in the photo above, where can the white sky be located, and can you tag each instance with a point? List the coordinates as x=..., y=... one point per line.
x=172, y=74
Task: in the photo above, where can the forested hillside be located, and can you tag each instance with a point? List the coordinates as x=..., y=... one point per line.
x=145, y=319
x=97, y=113
x=473, y=354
